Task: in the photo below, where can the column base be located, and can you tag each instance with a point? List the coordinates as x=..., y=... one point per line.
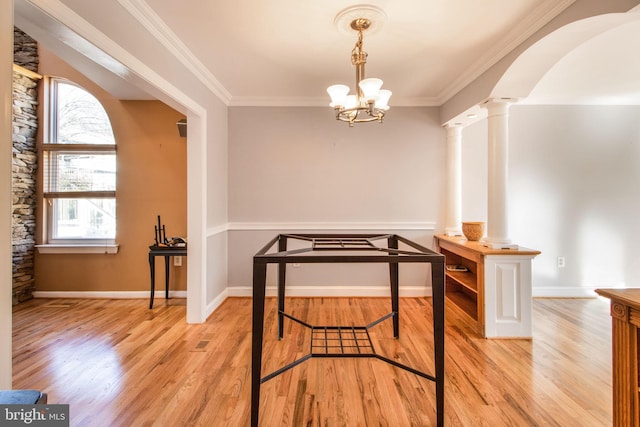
x=451, y=231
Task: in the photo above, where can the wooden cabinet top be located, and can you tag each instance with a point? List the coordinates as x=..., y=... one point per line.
x=479, y=248
x=629, y=296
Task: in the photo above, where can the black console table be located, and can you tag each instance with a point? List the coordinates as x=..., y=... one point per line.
x=166, y=252
x=344, y=248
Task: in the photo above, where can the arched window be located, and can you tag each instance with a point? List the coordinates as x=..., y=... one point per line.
x=79, y=168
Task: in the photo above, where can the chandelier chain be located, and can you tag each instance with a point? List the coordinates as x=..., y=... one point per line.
x=358, y=56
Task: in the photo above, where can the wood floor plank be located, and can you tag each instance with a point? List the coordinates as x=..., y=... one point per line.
x=117, y=363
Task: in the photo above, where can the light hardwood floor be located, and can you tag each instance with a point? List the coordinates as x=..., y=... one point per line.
x=117, y=363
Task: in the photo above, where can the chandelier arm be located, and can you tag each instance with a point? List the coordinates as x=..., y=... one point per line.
x=352, y=115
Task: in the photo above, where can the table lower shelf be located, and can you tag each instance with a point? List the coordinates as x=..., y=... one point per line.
x=342, y=341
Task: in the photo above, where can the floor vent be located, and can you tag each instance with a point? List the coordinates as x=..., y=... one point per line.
x=201, y=346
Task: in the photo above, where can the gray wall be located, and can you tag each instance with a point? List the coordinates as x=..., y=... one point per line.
x=301, y=165
x=300, y=169
x=573, y=189
x=574, y=179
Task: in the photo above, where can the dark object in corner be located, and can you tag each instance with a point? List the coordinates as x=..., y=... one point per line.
x=182, y=128
x=160, y=239
x=161, y=236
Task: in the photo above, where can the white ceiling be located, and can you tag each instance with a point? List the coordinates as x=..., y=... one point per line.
x=286, y=52
x=292, y=49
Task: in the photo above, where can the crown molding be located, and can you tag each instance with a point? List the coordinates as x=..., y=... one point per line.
x=269, y=101
x=545, y=12
x=144, y=14
x=256, y=101
x=424, y=101
x=94, y=44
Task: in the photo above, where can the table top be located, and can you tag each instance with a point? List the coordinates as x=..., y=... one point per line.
x=627, y=296
x=344, y=248
x=167, y=250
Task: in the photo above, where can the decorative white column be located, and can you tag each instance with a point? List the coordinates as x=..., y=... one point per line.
x=454, y=181
x=497, y=215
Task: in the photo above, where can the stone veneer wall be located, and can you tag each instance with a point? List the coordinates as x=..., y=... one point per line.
x=25, y=127
x=25, y=51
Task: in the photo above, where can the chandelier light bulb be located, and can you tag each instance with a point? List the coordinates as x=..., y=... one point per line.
x=351, y=101
x=338, y=94
x=370, y=88
x=383, y=99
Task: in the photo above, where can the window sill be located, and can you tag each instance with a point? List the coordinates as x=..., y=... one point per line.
x=78, y=249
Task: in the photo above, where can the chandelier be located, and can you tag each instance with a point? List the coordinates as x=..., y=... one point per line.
x=370, y=101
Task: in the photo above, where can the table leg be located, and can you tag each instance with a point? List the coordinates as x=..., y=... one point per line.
x=393, y=279
x=282, y=273
x=152, y=269
x=437, y=286
x=259, y=284
x=167, y=261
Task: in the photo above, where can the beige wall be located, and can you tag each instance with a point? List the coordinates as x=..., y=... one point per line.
x=151, y=181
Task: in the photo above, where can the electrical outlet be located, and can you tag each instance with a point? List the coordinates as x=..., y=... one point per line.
x=177, y=261
x=561, y=262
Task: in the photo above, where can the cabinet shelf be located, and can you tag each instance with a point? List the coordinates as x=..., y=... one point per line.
x=464, y=302
x=464, y=278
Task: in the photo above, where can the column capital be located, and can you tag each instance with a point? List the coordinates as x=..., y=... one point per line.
x=453, y=126
x=498, y=106
x=453, y=130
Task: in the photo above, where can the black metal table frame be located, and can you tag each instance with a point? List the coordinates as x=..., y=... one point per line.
x=166, y=252
x=345, y=248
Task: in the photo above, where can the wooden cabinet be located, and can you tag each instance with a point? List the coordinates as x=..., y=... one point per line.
x=464, y=289
x=495, y=289
x=625, y=333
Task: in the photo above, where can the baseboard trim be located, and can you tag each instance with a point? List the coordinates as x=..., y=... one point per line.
x=107, y=294
x=217, y=302
x=334, y=291
x=562, y=292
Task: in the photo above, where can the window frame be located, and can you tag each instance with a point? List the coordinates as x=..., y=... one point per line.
x=50, y=148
